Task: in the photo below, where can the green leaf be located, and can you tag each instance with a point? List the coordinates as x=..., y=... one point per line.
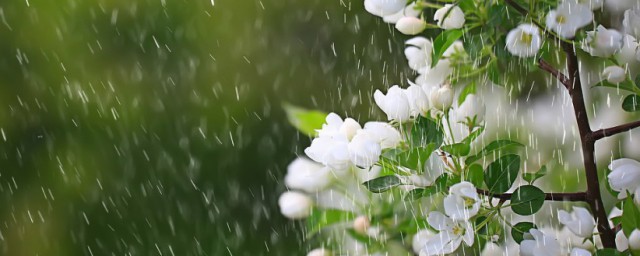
x=418, y=193
x=609, y=252
x=306, y=121
x=500, y=175
x=320, y=219
x=413, y=225
x=468, y=89
x=457, y=149
x=493, y=146
x=473, y=136
x=518, y=230
x=415, y=158
x=630, y=216
x=627, y=86
x=476, y=175
x=631, y=103
x=426, y=131
x=371, y=243
x=531, y=177
x=637, y=81
x=381, y=184
x=442, y=43
x=527, y=200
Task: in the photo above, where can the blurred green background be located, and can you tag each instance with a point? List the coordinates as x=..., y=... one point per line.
x=155, y=126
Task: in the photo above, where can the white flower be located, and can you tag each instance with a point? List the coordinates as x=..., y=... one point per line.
x=395, y=104
x=615, y=212
x=634, y=240
x=622, y=243
x=295, y=205
x=579, y=252
x=455, y=48
x=332, y=152
x=471, y=110
x=307, y=175
x=627, y=53
x=524, y=40
x=492, y=249
x=383, y=133
x=336, y=127
x=614, y=74
x=409, y=11
x=442, y=98
x=430, y=78
x=410, y=25
x=451, y=235
x=420, y=239
x=631, y=22
x=418, y=100
x=568, y=18
x=603, y=42
x=593, y=4
x=541, y=244
x=364, y=150
x=580, y=221
x=463, y=202
x=625, y=177
x=384, y=7
x=319, y=252
x=449, y=17
x=361, y=224
x=418, y=53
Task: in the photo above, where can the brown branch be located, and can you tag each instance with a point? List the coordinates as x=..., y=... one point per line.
x=554, y=72
x=576, y=196
x=602, y=133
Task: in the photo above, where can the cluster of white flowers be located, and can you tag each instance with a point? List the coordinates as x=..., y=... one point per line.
x=406, y=19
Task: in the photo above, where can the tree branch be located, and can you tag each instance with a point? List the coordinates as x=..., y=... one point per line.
x=554, y=72
x=602, y=133
x=577, y=196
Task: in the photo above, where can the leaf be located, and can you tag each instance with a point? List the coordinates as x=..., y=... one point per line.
x=518, y=230
x=473, y=136
x=320, y=219
x=631, y=103
x=415, y=158
x=381, y=184
x=609, y=252
x=527, y=200
x=500, y=175
x=627, y=86
x=476, y=175
x=306, y=121
x=531, y=177
x=442, y=43
x=637, y=81
x=457, y=149
x=468, y=89
x=426, y=131
x=418, y=193
x=413, y=225
x=630, y=216
x=493, y=146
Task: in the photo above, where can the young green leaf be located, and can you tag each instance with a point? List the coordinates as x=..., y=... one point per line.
x=518, y=230
x=610, y=252
x=531, y=177
x=306, y=121
x=627, y=86
x=473, y=136
x=631, y=103
x=382, y=184
x=630, y=216
x=493, y=146
x=457, y=149
x=476, y=175
x=468, y=89
x=500, y=175
x=426, y=131
x=527, y=200
x=418, y=193
x=320, y=219
x=442, y=43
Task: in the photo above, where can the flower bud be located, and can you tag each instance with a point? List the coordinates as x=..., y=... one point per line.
x=603, y=42
x=634, y=240
x=614, y=74
x=307, y=175
x=361, y=224
x=622, y=243
x=395, y=103
x=383, y=8
x=580, y=221
x=410, y=25
x=295, y=205
x=442, y=98
x=454, y=18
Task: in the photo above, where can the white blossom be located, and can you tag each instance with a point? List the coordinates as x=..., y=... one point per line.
x=625, y=177
x=622, y=243
x=295, y=205
x=335, y=127
x=331, y=152
x=364, y=150
x=579, y=252
x=580, y=221
x=420, y=239
x=383, y=8
x=418, y=53
x=463, y=201
x=409, y=11
x=593, y=4
x=395, y=104
x=631, y=22
x=319, y=252
x=411, y=25
x=524, y=40
x=383, y=133
x=629, y=51
x=568, y=17
x=449, y=17
x=603, y=42
x=431, y=78
x=307, y=175
x=471, y=110
x=418, y=100
x=450, y=236
x=634, y=240
x=540, y=244
x=442, y=98
x=614, y=74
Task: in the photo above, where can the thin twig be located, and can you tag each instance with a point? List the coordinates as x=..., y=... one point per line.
x=602, y=133
x=576, y=196
x=553, y=71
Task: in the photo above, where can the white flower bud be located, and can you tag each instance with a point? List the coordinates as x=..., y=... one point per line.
x=634, y=240
x=472, y=109
x=624, y=176
x=364, y=150
x=524, y=40
x=332, y=152
x=579, y=252
x=442, y=98
x=622, y=243
x=383, y=133
x=631, y=22
x=295, y=205
x=395, y=104
x=409, y=11
x=361, y=224
x=410, y=25
x=614, y=74
x=603, y=42
x=307, y=175
x=418, y=100
x=383, y=8
x=420, y=239
x=580, y=221
x=454, y=18
x=319, y=252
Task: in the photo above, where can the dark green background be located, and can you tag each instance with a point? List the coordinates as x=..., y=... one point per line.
x=156, y=126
